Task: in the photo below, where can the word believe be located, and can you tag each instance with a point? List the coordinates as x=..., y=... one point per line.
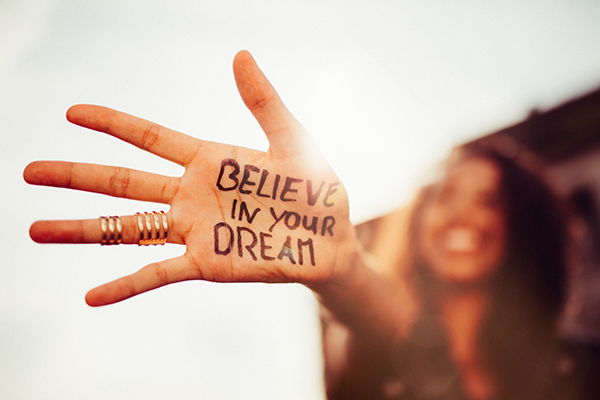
x=269, y=189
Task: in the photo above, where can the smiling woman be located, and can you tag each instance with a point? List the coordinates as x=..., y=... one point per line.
x=478, y=275
x=494, y=232
x=464, y=228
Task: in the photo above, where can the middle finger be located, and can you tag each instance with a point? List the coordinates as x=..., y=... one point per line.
x=109, y=180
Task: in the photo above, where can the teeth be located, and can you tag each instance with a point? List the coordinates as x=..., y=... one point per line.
x=461, y=239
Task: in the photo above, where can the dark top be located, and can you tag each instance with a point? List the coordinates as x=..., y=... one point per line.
x=420, y=367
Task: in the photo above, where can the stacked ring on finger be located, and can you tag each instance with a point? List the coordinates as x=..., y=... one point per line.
x=153, y=228
x=112, y=230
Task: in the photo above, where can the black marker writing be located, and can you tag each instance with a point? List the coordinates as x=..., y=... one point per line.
x=276, y=218
x=233, y=208
x=290, y=215
x=229, y=246
x=246, y=179
x=328, y=223
x=249, y=247
x=312, y=198
x=251, y=243
x=330, y=191
x=313, y=225
x=244, y=211
x=311, y=251
x=287, y=188
x=229, y=162
x=292, y=221
x=228, y=179
x=264, y=247
x=263, y=179
x=245, y=240
x=286, y=250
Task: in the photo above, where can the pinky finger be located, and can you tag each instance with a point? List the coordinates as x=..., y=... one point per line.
x=148, y=278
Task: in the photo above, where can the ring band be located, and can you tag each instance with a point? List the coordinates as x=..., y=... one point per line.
x=152, y=234
x=112, y=230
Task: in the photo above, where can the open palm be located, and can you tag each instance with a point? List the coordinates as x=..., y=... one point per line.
x=244, y=215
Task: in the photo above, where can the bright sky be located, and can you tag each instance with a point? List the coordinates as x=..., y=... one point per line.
x=386, y=87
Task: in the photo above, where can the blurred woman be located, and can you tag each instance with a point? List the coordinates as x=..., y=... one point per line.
x=483, y=259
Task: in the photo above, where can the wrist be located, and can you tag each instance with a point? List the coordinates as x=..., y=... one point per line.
x=346, y=262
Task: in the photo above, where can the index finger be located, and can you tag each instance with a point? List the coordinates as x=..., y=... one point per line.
x=163, y=142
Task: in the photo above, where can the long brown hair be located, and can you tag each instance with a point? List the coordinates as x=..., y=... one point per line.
x=528, y=290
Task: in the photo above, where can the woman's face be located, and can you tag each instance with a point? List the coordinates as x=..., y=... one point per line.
x=463, y=231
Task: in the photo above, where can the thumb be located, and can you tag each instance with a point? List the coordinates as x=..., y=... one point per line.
x=286, y=135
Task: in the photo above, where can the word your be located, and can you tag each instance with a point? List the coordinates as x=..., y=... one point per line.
x=291, y=219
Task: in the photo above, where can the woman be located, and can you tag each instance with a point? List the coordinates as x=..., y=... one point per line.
x=282, y=216
x=486, y=265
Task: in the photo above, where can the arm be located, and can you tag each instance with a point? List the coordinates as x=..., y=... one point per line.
x=364, y=316
x=360, y=323
x=362, y=300
x=243, y=215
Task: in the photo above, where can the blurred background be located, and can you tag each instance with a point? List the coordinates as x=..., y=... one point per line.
x=386, y=87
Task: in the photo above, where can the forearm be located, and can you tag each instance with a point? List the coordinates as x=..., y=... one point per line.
x=360, y=325
x=363, y=300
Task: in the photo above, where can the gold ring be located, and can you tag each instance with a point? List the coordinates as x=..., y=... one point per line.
x=152, y=234
x=112, y=230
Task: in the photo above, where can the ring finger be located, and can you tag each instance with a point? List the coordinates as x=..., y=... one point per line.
x=147, y=228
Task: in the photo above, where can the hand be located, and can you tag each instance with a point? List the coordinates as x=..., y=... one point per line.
x=243, y=215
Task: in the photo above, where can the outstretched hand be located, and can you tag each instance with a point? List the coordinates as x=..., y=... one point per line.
x=243, y=215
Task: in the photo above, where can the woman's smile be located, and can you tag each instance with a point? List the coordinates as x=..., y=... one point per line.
x=463, y=233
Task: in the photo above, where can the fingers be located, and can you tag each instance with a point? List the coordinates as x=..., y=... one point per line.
x=113, y=181
x=146, y=135
x=287, y=137
x=90, y=230
x=150, y=277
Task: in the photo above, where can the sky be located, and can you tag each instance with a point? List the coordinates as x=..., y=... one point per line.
x=385, y=87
